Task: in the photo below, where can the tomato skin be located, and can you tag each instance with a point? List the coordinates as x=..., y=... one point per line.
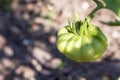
x=88, y=46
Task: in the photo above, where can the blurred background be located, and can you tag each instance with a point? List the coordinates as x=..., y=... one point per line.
x=28, y=34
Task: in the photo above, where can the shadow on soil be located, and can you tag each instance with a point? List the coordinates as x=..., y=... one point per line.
x=28, y=47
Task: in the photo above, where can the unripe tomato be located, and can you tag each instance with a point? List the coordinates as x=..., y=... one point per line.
x=81, y=41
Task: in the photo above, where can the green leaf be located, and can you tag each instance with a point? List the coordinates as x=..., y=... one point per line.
x=115, y=23
x=113, y=5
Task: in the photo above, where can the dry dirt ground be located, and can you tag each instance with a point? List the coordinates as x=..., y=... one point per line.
x=28, y=34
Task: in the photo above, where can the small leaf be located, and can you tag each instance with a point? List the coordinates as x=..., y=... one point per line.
x=116, y=23
x=114, y=6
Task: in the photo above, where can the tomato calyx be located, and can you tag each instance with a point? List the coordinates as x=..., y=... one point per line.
x=79, y=27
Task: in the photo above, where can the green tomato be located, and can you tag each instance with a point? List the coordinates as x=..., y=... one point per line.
x=81, y=41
